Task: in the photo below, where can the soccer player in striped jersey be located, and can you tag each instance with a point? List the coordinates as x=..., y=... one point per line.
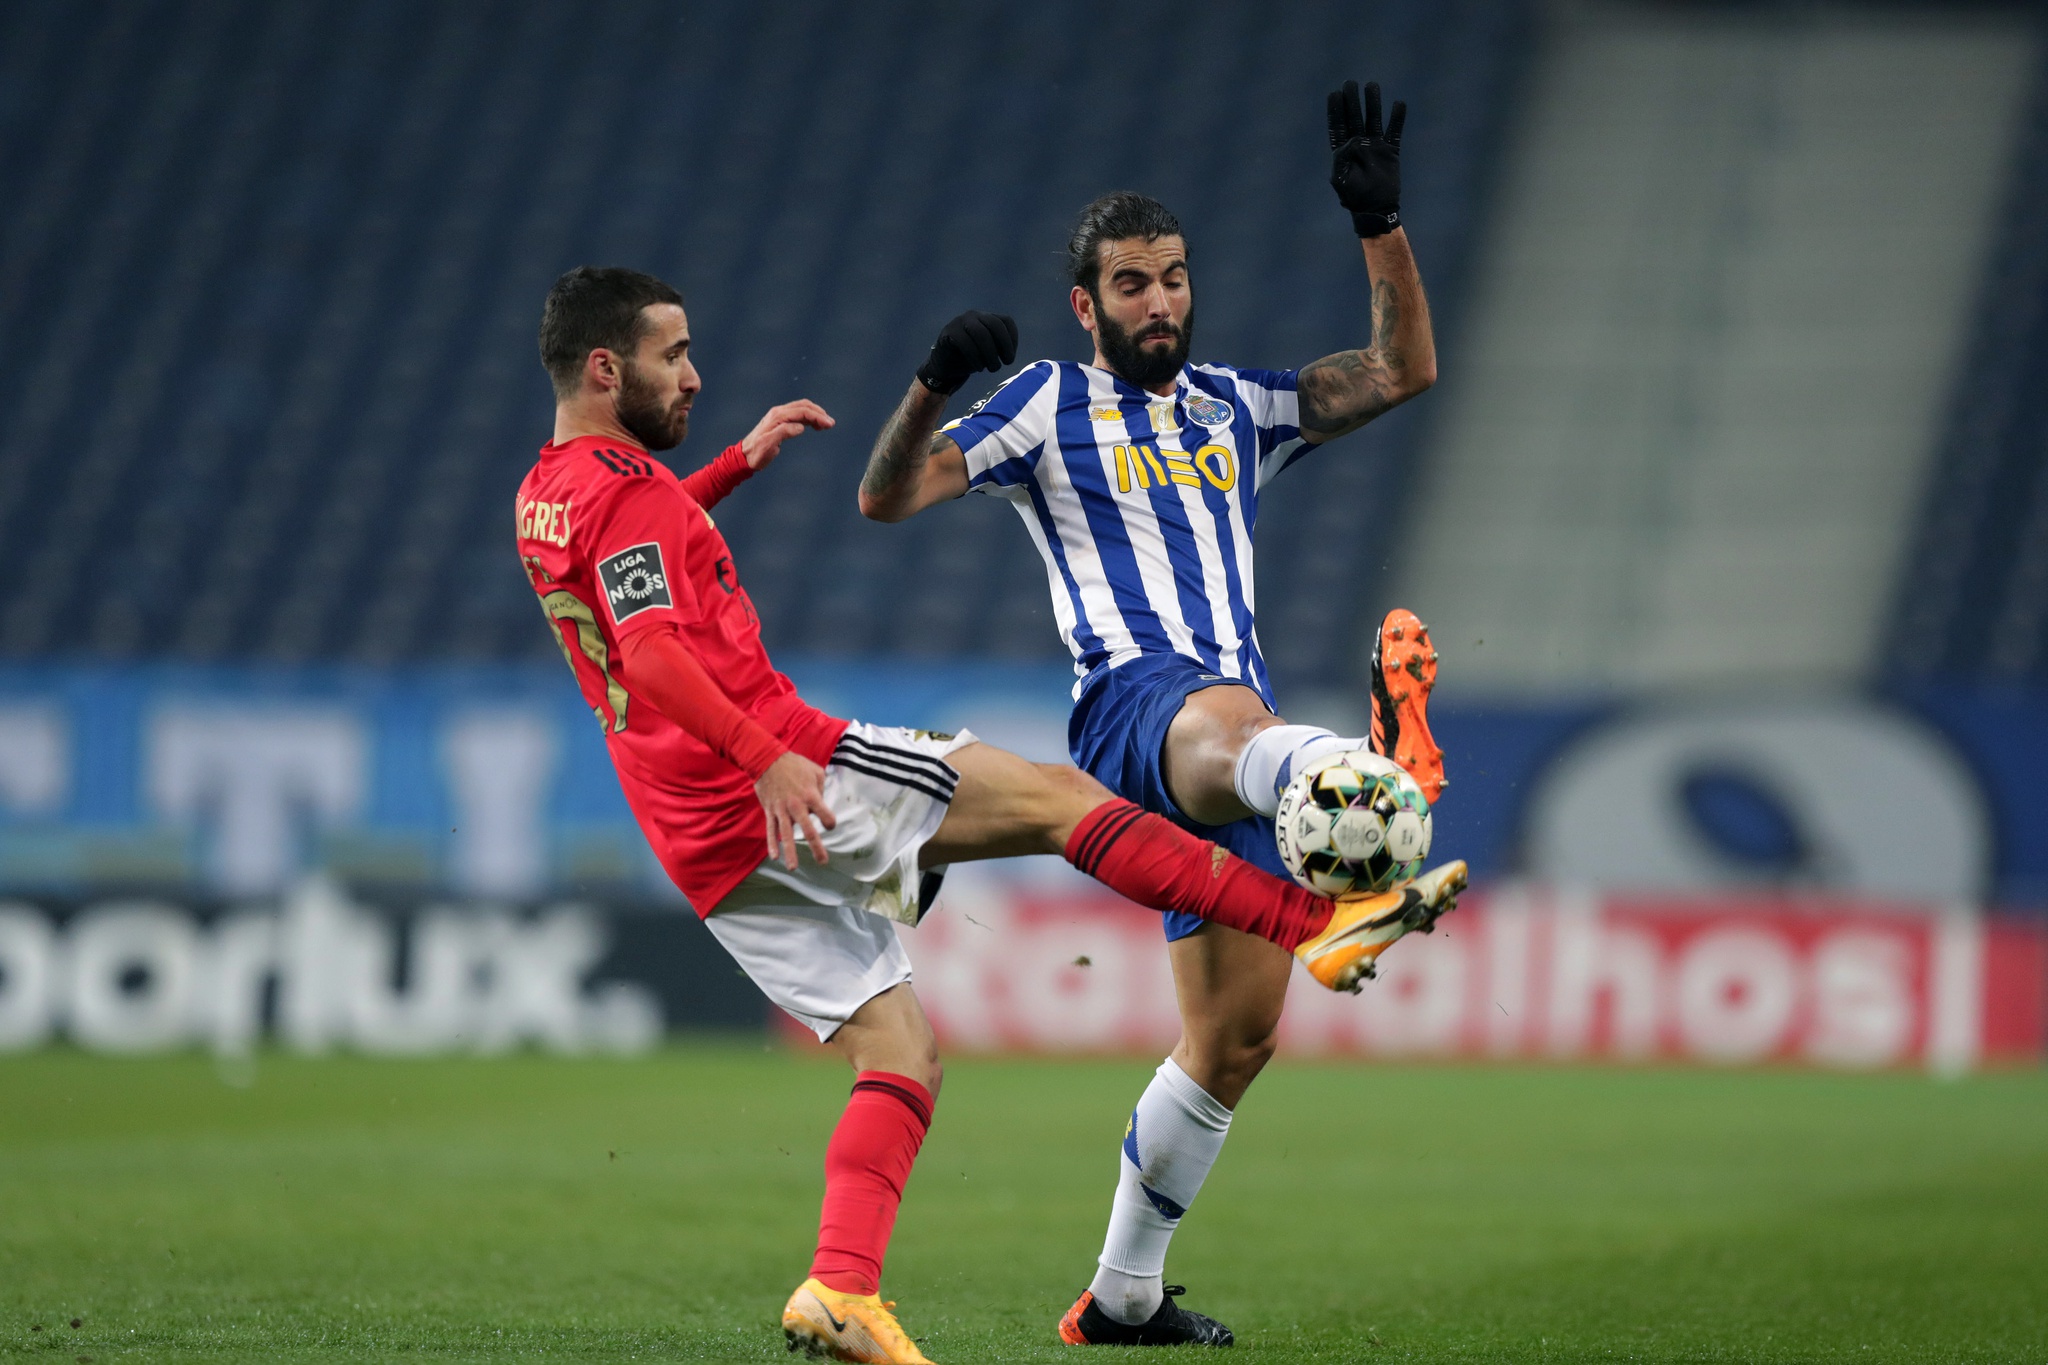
x=801, y=836
x=1138, y=478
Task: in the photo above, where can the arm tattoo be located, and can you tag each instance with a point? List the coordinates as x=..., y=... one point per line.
x=1343, y=392
x=905, y=443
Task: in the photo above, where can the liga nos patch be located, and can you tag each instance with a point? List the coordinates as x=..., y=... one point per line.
x=633, y=581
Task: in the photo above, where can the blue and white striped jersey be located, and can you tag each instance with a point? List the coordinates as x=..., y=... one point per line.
x=1142, y=506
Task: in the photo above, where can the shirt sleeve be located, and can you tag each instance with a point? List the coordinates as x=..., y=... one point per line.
x=1271, y=401
x=1003, y=435
x=641, y=547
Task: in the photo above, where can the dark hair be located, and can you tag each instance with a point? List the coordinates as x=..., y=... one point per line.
x=590, y=307
x=1112, y=218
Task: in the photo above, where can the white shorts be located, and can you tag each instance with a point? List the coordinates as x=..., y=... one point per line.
x=821, y=941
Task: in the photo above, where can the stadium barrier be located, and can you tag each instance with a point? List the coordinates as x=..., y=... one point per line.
x=1044, y=962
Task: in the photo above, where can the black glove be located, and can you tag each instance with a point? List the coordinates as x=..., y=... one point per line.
x=969, y=343
x=1365, y=164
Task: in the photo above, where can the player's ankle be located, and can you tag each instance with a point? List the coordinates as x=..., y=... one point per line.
x=1128, y=1299
x=843, y=1280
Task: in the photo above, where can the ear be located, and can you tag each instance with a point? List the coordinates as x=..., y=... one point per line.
x=1084, y=308
x=601, y=370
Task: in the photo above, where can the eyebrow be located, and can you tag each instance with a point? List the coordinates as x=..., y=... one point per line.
x=1177, y=263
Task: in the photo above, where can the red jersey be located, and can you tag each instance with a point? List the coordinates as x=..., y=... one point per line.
x=615, y=544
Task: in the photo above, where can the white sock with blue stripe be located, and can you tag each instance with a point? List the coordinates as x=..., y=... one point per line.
x=1276, y=754
x=1175, y=1134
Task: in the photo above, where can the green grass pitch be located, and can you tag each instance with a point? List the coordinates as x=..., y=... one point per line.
x=662, y=1208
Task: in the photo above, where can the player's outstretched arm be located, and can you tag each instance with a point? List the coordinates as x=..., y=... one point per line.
x=1341, y=393
x=791, y=788
x=910, y=467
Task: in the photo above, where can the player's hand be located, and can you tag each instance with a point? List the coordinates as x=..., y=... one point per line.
x=1365, y=161
x=792, y=793
x=782, y=421
x=967, y=345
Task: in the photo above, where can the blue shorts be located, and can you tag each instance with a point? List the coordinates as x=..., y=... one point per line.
x=1117, y=734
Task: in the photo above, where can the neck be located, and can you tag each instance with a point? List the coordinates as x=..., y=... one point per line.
x=578, y=417
x=1102, y=363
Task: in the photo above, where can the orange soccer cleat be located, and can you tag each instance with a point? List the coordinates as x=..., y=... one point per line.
x=826, y=1324
x=1363, y=924
x=1403, y=674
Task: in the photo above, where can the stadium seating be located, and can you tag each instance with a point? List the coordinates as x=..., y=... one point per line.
x=1973, y=600
x=270, y=277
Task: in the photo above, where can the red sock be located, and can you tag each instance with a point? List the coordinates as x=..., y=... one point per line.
x=866, y=1163
x=1157, y=863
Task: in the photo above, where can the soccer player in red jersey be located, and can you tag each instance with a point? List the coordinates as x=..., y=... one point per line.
x=802, y=838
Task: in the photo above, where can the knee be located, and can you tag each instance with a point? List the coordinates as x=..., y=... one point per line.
x=1247, y=1057
x=919, y=1060
x=1066, y=796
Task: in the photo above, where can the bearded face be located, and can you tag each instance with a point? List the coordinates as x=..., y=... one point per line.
x=1139, y=356
x=657, y=417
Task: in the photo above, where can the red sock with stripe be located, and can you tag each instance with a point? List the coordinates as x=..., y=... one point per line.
x=866, y=1164
x=1155, y=862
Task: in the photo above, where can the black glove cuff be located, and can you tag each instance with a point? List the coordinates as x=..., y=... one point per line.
x=1375, y=224
x=938, y=382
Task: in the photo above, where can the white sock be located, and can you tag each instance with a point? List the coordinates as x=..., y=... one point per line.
x=1175, y=1134
x=1276, y=754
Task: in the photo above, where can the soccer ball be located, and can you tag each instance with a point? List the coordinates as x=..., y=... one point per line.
x=1352, y=822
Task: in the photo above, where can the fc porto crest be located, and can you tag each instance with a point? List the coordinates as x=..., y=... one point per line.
x=1207, y=411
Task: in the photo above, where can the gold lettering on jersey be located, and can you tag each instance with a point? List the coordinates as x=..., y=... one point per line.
x=571, y=613
x=1151, y=460
x=1150, y=470
x=1105, y=414
x=1218, y=466
x=545, y=521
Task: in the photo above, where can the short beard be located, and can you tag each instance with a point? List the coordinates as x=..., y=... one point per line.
x=1128, y=357
x=655, y=424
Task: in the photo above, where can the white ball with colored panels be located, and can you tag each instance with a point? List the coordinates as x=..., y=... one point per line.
x=1353, y=821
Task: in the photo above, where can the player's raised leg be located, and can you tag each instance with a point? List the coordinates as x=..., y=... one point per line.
x=1005, y=806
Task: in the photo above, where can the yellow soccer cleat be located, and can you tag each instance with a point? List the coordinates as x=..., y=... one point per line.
x=1362, y=925
x=826, y=1324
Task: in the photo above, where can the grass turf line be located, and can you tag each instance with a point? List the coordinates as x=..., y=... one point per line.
x=662, y=1208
